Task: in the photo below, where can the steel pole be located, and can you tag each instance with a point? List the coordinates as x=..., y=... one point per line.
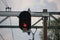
x=45, y=18
x=45, y=27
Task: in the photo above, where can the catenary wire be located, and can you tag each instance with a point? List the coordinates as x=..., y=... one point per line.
x=4, y=2
x=2, y=37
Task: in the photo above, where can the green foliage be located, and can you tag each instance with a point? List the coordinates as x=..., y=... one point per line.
x=55, y=23
x=52, y=34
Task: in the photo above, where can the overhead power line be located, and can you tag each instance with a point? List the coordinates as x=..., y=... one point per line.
x=2, y=37
x=5, y=3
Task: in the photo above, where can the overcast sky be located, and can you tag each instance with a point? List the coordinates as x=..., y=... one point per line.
x=20, y=5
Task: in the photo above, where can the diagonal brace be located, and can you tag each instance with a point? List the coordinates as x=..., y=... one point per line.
x=4, y=19
x=37, y=21
x=55, y=18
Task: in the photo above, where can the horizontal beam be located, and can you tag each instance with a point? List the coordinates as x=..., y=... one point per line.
x=51, y=27
x=54, y=13
x=34, y=14
x=16, y=13
x=9, y=13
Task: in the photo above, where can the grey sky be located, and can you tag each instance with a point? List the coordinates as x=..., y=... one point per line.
x=19, y=5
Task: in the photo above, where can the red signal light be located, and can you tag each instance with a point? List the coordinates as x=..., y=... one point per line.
x=25, y=21
x=25, y=25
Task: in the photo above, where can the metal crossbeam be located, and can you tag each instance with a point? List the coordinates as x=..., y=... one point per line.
x=9, y=13
x=16, y=13
x=54, y=13
x=49, y=27
x=35, y=14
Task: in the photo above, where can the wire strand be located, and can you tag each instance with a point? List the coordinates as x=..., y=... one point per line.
x=5, y=3
x=2, y=37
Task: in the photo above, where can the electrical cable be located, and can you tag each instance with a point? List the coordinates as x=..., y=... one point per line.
x=4, y=2
x=33, y=33
x=2, y=37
